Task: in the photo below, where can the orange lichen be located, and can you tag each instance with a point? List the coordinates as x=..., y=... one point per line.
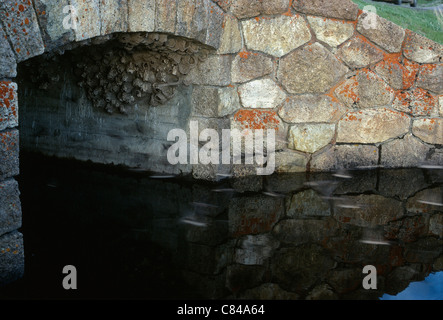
x=257, y=119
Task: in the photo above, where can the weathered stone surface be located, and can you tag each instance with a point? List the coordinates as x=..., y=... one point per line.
x=113, y=16
x=254, y=215
x=231, y=39
x=275, y=36
x=88, y=17
x=431, y=78
x=359, y=53
x=141, y=15
x=10, y=208
x=399, y=75
x=215, y=70
x=8, y=65
x=252, y=8
x=214, y=102
x=417, y=102
x=370, y=211
x=21, y=26
x=440, y=102
x=296, y=232
x=422, y=50
x=53, y=21
x=12, y=257
x=255, y=249
x=372, y=126
x=289, y=161
x=429, y=130
x=365, y=90
x=259, y=94
x=215, y=24
x=268, y=291
x=8, y=105
x=436, y=225
x=340, y=9
x=248, y=66
x=344, y=280
x=345, y=157
x=310, y=137
x=331, y=31
x=322, y=292
x=311, y=69
x=307, y=203
x=401, y=183
x=406, y=152
x=166, y=17
x=311, y=108
x=386, y=34
x=9, y=154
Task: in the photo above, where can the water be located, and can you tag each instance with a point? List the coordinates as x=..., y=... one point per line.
x=134, y=235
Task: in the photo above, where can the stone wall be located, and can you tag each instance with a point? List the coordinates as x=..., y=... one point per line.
x=344, y=88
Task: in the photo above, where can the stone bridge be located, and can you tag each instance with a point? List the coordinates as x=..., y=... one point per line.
x=105, y=80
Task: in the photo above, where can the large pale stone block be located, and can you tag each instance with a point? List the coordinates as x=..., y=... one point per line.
x=166, y=17
x=113, y=16
x=141, y=15
x=431, y=78
x=275, y=36
x=88, y=19
x=345, y=157
x=57, y=22
x=429, y=130
x=215, y=70
x=365, y=90
x=231, y=39
x=8, y=105
x=310, y=137
x=21, y=26
x=248, y=66
x=10, y=208
x=311, y=108
x=422, y=50
x=8, y=65
x=406, y=152
x=340, y=9
x=214, y=102
x=259, y=94
x=289, y=161
x=358, y=53
x=331, y=31
x=372, y=126
x=311, y=69
x=386, y=34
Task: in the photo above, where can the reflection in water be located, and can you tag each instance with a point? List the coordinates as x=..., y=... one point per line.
x=295, y=236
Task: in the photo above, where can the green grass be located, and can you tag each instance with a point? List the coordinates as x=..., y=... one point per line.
x=424, y=22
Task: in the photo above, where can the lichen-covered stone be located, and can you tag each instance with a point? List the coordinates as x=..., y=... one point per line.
x=10, y=208
x=358, y=53
x=264, y=93
x=422, y=50
x=214, y=102
x=275, y=36
x=310, y=137
x=311, y=69
x=429, y=130
x=12, y=257
x=141, y=15
x=252, y=8
x=339, y=9
x=431, y=78
x=8, y=65
x=372, y=126
x=406, y=152
x=231, y=39
x=417, y=102
x=345, y=157
x=21, y=26
x=9, y=154
x=386, y=34
x=400, y=75
x=311, y=108
x=365, y=90
x=88, y=19
x=8, y=105
x=248, y=66
x=332, y=32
